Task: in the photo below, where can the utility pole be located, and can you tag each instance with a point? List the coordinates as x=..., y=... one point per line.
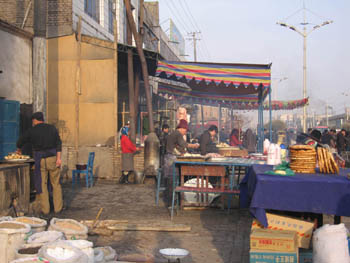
x=304, y=34
x=194, y=39
x=327, y=114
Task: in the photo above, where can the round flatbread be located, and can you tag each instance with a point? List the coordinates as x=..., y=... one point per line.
x=301, y=147
x=301, y=152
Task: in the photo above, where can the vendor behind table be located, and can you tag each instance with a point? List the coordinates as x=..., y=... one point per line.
x=206, y=141
x=175, y=145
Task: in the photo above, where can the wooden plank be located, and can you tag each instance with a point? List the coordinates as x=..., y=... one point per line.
x=103, y=223
x=144, y=227
x=203, y=170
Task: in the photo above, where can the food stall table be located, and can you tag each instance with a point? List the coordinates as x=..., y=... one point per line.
x=207, y=169
x=316, y=193
x=14, y=184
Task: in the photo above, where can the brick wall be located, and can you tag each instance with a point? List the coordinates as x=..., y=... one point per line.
x=107, y=164
x=13, y=12
x=59, y=18
x=59, y=15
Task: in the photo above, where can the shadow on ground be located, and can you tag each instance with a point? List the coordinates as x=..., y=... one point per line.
x=216, y=236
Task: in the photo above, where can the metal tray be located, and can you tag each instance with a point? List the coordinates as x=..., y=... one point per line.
x=220, y=159
x=16, y=160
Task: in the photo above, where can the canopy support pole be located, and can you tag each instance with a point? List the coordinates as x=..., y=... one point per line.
x=260, y=124
x=270, y=113
x=219, y=122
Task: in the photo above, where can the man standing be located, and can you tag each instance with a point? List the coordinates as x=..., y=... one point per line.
x=341, y=141
x=175, y=145
x=206, y=141
x=162, y=139
x=47, y=148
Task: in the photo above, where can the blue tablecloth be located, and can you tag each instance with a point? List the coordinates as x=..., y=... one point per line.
x=316, y=193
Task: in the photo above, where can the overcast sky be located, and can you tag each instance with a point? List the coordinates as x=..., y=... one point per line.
x=235, y=31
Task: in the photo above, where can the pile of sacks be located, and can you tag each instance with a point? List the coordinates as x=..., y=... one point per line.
x=24, y=240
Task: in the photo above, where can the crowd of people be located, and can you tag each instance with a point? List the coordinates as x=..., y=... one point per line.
x=339, y=141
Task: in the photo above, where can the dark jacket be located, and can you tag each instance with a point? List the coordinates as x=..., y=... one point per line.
x=249, y=141
x=341, y=142
x=175, y=141
x=206, y=144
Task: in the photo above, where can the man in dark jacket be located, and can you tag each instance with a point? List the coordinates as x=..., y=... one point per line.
x=206, y=141
x=47, y=147
x=341, y=141
x=162, y=141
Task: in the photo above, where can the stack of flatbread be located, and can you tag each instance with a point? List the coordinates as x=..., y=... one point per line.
x=326, y=161
x=302, y=158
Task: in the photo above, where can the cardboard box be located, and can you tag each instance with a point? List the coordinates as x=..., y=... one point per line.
x=305, y=255
x=303, y=228
x=275, y=240
x=261, y=256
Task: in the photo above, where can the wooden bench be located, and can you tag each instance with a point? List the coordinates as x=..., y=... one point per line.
x=202, y=174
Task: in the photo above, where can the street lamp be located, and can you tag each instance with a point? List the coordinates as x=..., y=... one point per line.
x=274, y=89
x=304, y=34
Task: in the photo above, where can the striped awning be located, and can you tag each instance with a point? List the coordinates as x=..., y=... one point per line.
x=217, y=82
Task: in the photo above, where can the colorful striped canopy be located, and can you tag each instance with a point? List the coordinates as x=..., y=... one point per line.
x=217, y=82
x=180, y=95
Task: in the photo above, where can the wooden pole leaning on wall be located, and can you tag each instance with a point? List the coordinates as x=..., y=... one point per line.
x=138, y=69
x=143, y=62
x=77, y=89
x=115, y=82
x=131, y=86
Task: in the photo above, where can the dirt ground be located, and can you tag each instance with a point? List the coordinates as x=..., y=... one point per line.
x=216, y=235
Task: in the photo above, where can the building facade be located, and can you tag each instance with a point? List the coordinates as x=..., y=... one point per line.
x=74, y=80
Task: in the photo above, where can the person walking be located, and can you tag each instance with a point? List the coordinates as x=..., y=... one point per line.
x=47, y=148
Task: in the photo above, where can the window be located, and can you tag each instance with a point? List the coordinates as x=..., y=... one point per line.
x=92, y=8
x=111, y=15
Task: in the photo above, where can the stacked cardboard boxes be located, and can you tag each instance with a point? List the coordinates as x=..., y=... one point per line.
x=303, y=228
x=270, y=246
x=279, y=242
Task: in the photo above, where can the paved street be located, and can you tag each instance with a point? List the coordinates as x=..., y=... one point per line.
x=216, y=236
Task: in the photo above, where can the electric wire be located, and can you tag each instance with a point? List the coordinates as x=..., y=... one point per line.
x=187, y=28
x=195, y=25
x=171, y=12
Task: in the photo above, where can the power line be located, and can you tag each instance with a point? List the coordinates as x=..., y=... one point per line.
x=188, y=11
x=187, y=28
x=170, y=10
x=191, y=18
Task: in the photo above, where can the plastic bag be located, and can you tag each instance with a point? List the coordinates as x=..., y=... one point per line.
x=330, y=244
x=37, y=224
x=72, y=229
x=62, y=252
x=109, y=253
x=85, y=246
x=99, y=255
x=30, y=260
x=12, y=236
x=45, y=237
